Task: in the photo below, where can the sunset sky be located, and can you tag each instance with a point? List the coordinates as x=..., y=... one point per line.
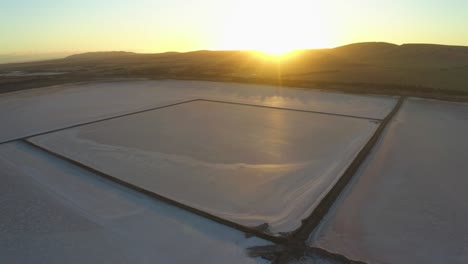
x=44, y=26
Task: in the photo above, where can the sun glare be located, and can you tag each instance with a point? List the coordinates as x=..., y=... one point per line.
x=276, y=51
x=276, y=28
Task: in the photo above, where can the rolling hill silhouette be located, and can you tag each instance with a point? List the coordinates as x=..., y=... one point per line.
x=373, y=67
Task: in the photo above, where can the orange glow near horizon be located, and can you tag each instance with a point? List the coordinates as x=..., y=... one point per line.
x=273, y=27
x=275, y=55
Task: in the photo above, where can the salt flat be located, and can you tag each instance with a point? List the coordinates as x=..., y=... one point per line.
x=407, y=204
x=250, y=165
x=34, y=111
x=54, y=212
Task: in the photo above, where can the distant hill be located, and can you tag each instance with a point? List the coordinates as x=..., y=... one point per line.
x=406, y=54
x=368, y=52
x=99, y=55
x=16, y=58
x=364, y=51
x=373, y=66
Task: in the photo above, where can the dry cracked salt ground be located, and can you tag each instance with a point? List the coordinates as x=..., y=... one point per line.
x=34, y=111
x=54, y=212
x=407, y=203
x=250, y=165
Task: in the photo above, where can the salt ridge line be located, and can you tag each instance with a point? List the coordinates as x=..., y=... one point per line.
x=292, y=109
x=247, y=230
x=100, y=120
x=298, y=238
x=184, y=102
x=84, y=200
x=282, y=243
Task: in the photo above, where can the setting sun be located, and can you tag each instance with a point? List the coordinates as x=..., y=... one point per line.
x=276, y=51
x=276, y=28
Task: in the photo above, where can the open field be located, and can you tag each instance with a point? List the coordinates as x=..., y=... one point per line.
x=407, y=202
